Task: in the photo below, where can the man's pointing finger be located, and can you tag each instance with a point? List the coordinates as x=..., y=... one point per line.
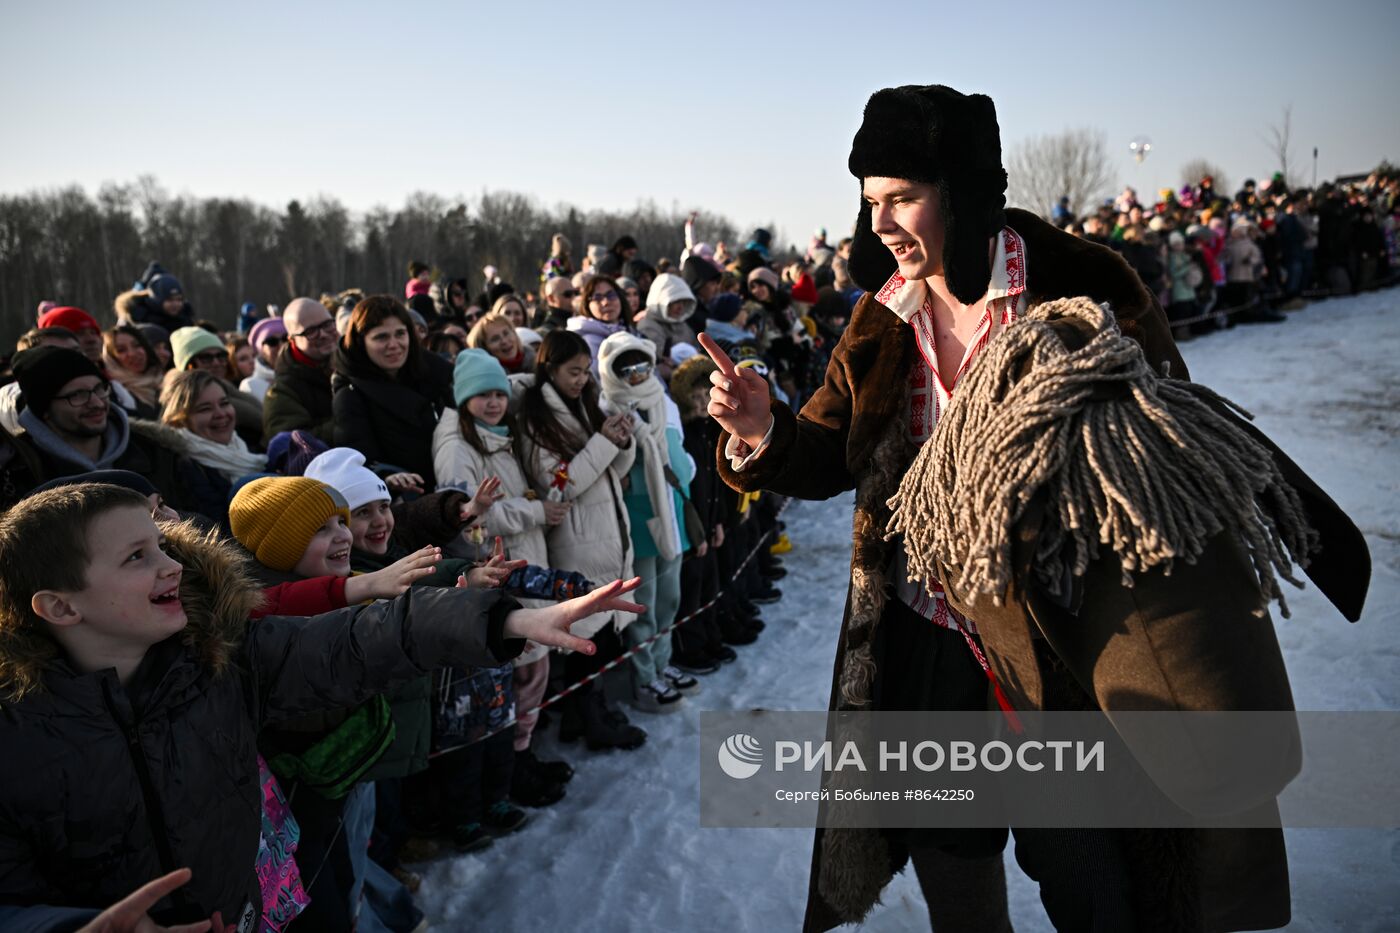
x=722, y=360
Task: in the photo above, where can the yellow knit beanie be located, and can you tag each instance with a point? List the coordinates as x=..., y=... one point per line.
x=276, y=517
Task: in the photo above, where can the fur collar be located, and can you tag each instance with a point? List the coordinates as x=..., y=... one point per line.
x=217, y=589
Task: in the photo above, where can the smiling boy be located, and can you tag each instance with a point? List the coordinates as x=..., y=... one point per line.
x=133, y=686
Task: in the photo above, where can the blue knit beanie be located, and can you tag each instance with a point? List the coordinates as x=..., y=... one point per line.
x=725, y=307
x=476, y=372
x=166, y=286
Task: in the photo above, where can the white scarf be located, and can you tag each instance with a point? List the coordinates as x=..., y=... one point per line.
x=234, y=460
x=649, y=400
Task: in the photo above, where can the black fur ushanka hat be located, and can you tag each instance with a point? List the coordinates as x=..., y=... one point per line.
x=939, y=136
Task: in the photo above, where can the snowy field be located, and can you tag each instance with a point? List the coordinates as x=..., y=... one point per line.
x=624, y=850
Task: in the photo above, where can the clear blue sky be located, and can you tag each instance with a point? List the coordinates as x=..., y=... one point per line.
x=744, y=108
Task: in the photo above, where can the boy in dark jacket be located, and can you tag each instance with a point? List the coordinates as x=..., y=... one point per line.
x=134, y=691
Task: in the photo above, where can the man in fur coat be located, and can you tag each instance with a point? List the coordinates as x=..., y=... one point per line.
x=946, y=269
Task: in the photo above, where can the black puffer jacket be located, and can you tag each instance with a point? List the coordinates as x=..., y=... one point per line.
x=105, y=787
x=391, y=422
x=298, y=399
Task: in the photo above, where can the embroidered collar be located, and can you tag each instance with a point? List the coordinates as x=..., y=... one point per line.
x=906, y=298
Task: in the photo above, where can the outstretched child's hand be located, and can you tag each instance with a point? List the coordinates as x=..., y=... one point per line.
x=394, y=579
x=493, y=573
x=550, y=626
x=487, y=495
x=128, y=915
x=404, y=482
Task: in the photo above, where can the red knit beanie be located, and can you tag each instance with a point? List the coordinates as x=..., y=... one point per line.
x=805, y=289
x=74, y=319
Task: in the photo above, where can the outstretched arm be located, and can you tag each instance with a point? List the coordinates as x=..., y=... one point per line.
x=338, y=659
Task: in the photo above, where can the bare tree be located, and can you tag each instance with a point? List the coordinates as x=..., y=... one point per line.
x=1279, y=138
x=69, y=246
x=1073, y=164
x=1192, y=173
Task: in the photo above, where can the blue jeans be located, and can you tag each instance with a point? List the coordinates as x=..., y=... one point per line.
x=386, y=907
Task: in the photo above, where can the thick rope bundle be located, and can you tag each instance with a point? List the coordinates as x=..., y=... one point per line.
x=1141, y=464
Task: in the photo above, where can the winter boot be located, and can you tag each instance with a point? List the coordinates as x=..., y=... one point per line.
x=502, y=819
x=471, y=837
x=419, y=849
x=735, y=630
x=681, y=682
x=723, y=654
x=658, y=697
x=555, y=772
x=530, y=788
x=408, y=879
x=769, y=594
x=608, y=728
x=695, y=663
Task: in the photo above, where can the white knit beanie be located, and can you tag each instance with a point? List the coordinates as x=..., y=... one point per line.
x=343, y=469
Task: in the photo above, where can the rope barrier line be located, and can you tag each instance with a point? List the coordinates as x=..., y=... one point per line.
x=1263, y=300
x=1214, y=314
x=617, y=661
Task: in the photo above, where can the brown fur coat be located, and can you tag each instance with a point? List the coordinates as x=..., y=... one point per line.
x=853, y=433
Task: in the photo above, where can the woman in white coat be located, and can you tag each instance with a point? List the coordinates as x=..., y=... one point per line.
x=572, y=453
x=472, y=443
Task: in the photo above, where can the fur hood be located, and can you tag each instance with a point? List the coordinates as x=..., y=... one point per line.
x=126, y=304
x=217, y=590
x=694, y=373
x=159, y=433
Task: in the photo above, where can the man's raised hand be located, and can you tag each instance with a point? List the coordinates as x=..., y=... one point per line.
x=739, y=398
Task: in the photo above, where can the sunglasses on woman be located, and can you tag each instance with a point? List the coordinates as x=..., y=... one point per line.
x=635, y=372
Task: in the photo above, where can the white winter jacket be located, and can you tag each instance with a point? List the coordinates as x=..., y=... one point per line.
x=518, y=517
x=596, y=538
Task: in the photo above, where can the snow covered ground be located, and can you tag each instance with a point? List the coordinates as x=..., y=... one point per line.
x=624, y=850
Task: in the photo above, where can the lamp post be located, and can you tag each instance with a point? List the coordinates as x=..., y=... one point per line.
x=1140, y=146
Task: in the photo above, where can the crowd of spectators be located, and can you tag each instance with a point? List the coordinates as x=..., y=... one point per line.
x=1216, y=259
x=528, y=443
x=534, y=444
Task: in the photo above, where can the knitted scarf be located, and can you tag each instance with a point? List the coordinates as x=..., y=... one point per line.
x=1150, y=467
x=649, y=401
x=234, y=460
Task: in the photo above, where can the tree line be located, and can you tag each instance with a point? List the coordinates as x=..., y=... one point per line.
x=81, y=249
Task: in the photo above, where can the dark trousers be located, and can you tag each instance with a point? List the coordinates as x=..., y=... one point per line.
x=730, y=611
x=565, y=670
x=1082, y=873
x=324, y=859
x=472, y=779
x=699, y=583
